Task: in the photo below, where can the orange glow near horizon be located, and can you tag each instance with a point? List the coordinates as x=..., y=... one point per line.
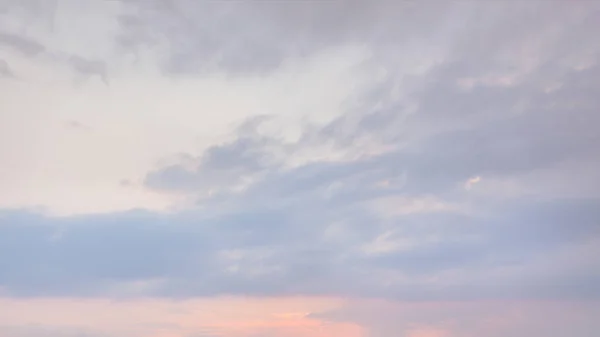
x=227, y=317
x=284, y=316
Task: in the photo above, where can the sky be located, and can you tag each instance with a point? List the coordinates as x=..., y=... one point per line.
x=183, y=168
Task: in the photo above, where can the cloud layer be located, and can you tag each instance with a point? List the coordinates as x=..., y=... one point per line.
x=390, y=150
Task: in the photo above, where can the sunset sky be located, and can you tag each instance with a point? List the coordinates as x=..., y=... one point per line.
x=290, y=168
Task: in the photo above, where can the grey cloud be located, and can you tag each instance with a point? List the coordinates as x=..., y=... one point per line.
x=289, y=250
x=32, y=13
x=123, y=247
x=506, y=125
x=199, y=36
x=511, y=234
x=514, y=237
x=483, y=132
x=223, y=165
x=256, y=37
x=303, y=230
x=5, y=70
x=171, y=177
x=21, y=44
x=498, y=131
x=89, y=67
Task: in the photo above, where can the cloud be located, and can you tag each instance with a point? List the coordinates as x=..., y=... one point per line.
x=336, y=154
x=189, y=112
x=441, y=133
x=21, y=44
x=472, y=181
x=89, y=67
x=270, y=249
x=5, y=69
x=230, y=39
x=225, y=165
x=47, y=331
x=493, y=318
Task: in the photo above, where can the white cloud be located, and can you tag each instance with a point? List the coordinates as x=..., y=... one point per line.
x=141, y=118
x=472, y=181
